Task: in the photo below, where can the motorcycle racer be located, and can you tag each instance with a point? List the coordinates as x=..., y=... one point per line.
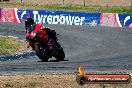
x=31, y=26
x=43, y=41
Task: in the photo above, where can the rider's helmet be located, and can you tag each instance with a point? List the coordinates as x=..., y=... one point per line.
x=28, y=22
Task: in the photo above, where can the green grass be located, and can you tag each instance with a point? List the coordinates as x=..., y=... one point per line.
x=9, y=45
x=8, y=85
x=98, y=9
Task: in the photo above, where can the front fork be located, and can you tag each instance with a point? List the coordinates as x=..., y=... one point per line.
x=32, y=44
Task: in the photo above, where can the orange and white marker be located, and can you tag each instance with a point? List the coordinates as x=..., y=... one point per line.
x=83, y=78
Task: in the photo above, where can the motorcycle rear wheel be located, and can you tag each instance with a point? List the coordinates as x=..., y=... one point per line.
x=60, y=56
x=40, y=53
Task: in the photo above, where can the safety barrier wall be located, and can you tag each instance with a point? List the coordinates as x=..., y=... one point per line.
x=66, y=18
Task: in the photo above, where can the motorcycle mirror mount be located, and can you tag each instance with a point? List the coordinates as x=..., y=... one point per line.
x=57, y=34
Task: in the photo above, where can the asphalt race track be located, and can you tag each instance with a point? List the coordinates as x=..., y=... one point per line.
x=94, y=48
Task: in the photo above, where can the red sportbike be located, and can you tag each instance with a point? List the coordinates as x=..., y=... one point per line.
x=44, y=46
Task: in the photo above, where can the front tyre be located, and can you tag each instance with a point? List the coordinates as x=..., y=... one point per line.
x=41, y=53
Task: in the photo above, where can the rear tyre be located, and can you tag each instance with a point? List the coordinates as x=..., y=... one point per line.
x=41, y=53
x=60, y=56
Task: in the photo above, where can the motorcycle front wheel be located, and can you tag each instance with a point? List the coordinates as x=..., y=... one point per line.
x=41, y=53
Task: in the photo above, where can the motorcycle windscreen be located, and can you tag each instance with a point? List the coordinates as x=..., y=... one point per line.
x=30, y=29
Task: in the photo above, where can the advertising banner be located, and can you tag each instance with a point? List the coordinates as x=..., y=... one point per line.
x=108, y=19
x=0, y=15
x=8, y=15
x=124, y=20
x=116, y=20
x=66, y=18
x=60, y=17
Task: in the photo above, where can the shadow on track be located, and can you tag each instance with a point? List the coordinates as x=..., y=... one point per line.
x=53, y=61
